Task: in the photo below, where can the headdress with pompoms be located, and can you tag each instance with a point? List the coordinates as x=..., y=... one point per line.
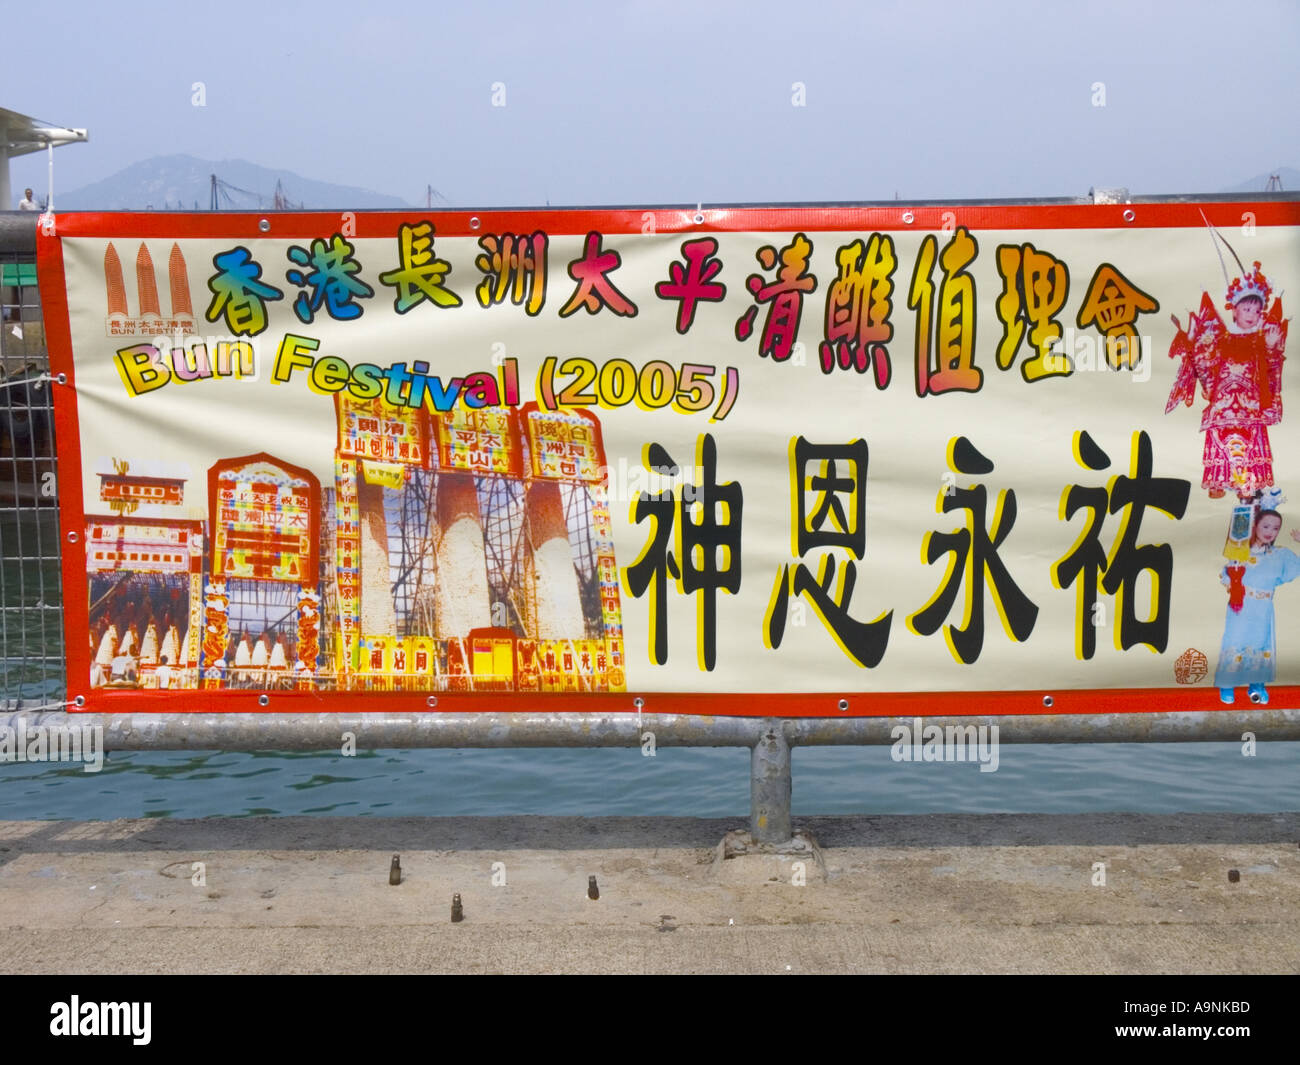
x=1252, y=283
x=1271, y=498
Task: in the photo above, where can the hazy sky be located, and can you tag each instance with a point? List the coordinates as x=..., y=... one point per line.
x=671, y=102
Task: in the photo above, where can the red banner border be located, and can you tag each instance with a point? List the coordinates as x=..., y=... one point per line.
x=372, y=225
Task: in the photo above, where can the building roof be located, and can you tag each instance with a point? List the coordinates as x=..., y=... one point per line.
x=24, y=134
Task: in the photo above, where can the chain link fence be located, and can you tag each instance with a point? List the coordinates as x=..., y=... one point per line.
x=31, y=594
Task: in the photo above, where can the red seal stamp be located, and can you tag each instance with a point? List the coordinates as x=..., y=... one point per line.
x=1191, y=667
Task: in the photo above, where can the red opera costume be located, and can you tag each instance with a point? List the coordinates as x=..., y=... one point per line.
x=1239, y=369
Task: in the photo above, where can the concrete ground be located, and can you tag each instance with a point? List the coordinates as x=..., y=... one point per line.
x=914, y=894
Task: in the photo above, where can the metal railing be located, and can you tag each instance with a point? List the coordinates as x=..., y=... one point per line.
x=31, y=599
x=31, y=639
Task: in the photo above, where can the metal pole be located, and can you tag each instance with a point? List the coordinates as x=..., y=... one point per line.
x=383, y=731
x=6, y=201
x=307, y=731
x=770, y=739
x=770, y=786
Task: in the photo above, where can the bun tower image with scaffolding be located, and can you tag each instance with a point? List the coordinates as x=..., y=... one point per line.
x=465, y=551
x=471, y=552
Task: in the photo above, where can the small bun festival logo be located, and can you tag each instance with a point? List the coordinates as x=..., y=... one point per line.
x=1191, y=667
x=150, y=321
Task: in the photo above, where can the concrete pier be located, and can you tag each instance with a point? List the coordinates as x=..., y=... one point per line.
x=1104, y=893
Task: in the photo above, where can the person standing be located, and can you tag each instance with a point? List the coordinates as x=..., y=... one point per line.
x=1248, y=657
x=28, y=203
x=1239, y=369
x=165, y=673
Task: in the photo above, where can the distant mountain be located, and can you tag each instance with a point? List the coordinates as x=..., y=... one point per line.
x=179, y=182
x=1289, y=175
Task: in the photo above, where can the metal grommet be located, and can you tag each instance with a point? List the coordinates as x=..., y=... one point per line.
x=80, y=700
x=908, y=217
x=1048, y=700
x=698, y=219
x=843, y=704
x=474, y=222
x=432, y=701
x=1129, y=215
x=62, y=378
x=264, y=700
x=72, y=536
x=638, y=702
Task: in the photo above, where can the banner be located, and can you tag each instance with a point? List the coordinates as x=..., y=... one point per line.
x=786, y=461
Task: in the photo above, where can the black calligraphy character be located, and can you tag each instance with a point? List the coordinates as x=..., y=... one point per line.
x=837, y=519
x=974, y=563
x=651, y=570
x=1127, y=561
x=1087, y=558
x=709, y=516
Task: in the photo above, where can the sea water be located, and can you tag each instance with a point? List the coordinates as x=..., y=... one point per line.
x=690, y=782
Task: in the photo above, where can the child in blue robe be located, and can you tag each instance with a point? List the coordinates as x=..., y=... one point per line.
x=1249, y=654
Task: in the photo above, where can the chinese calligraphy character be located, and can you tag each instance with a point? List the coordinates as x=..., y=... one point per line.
x=1127, y=561
x=702, y=535
x=837, y=519
x=330, y=279
x=1087, y=558
x=858, y=308
x=1114, y=303
x=692, y=281
x=953, y=367
x=513, y=265
x=974, y=563
x=1035, y=286
x=785, y=294
x=421, y=275
x=238, y=294
x=595, y=290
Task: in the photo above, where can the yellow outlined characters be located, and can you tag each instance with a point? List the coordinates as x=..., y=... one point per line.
x=836, y=476
x=703, y=520
x=1119, y=569
x=973, y=562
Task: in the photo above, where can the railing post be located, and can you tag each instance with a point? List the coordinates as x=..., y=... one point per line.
x=769, y=786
